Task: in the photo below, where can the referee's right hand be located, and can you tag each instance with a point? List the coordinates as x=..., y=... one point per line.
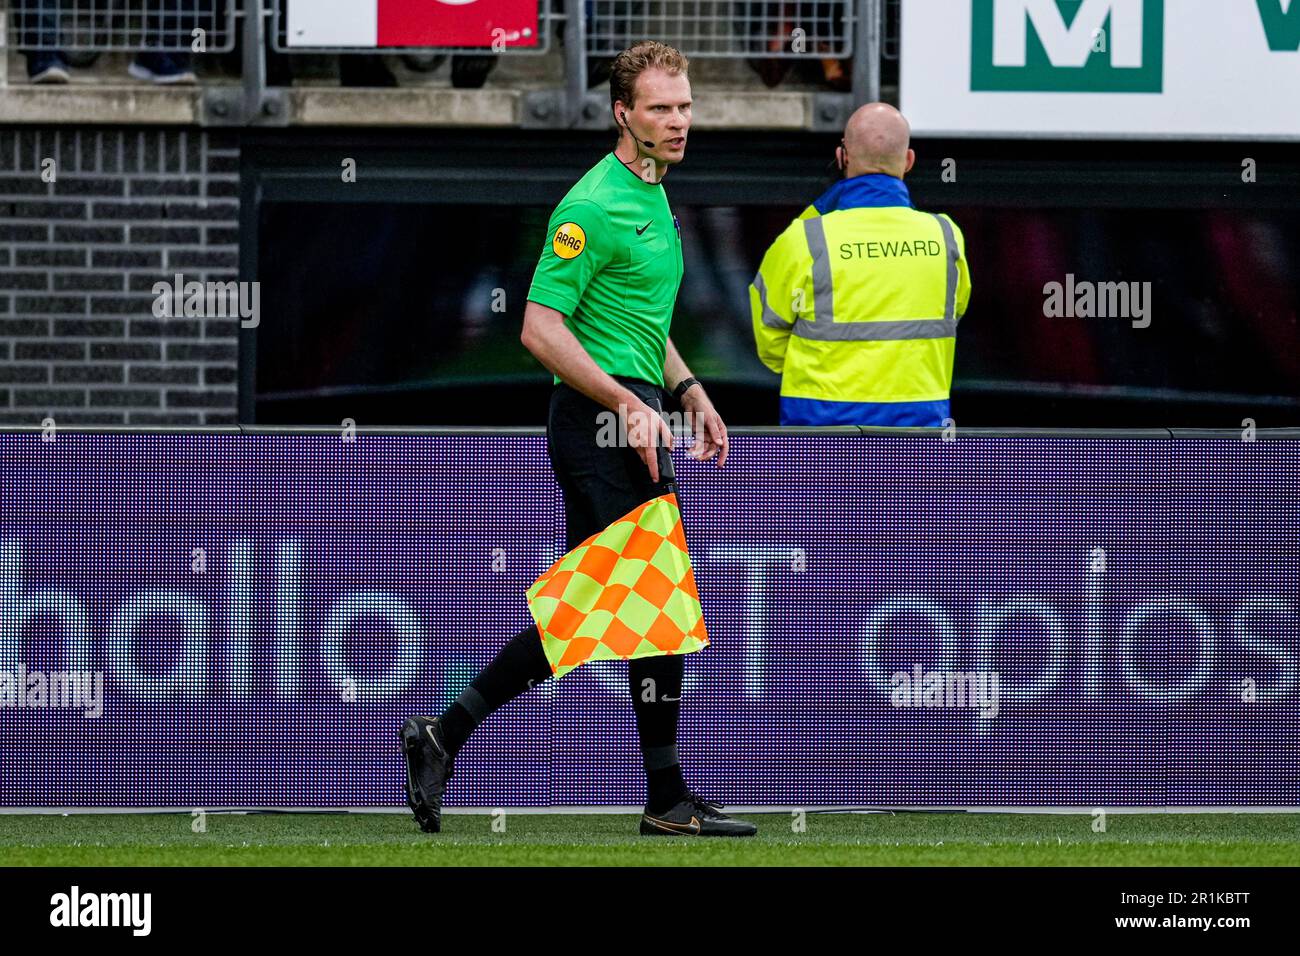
x=646, y=432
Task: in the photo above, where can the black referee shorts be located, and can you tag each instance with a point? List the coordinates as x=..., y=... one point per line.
x=600, y=485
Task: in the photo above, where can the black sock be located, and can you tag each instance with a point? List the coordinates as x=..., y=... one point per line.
x=456, y=724
x=664, y=788
x=655, y=684
x=519, y=665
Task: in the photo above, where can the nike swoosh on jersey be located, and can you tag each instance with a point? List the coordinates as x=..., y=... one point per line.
x=644, y=228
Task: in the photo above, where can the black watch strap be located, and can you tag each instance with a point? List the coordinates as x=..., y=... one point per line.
x=682, y=386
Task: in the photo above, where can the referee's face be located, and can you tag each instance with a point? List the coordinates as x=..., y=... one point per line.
x=662, y=114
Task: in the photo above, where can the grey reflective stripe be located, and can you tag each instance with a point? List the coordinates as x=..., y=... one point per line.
x=823, y=291
x=770, y=318
x=824, y=327
x=882, y=331
x=950, y=242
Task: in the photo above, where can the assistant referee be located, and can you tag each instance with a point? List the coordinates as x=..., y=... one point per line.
x=598, y=316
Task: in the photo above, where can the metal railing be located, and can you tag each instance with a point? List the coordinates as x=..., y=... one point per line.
x=891, y=35
x=595, y=29
x=109, y=25
x=725, y=28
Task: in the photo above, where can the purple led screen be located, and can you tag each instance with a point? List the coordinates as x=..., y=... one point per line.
x=262, y=611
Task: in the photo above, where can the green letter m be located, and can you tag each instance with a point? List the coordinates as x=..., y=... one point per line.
x=1068, y=46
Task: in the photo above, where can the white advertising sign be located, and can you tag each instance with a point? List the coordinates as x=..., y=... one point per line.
x=1195, y=69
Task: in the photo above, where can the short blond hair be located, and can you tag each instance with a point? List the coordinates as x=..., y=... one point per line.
x=635, y=60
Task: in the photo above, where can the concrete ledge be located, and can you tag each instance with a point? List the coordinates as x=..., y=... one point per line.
x=99, y=104
x=334, y=106
x=416, y=106
x=727, y=109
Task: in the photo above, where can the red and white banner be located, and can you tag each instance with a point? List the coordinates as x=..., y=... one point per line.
x=385, y=23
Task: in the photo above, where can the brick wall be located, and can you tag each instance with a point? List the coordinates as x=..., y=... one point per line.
x=79, y=257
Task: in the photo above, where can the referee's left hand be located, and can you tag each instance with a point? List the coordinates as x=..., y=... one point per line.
x=710, y=432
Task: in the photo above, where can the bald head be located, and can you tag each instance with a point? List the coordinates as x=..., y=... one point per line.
x=877, y=139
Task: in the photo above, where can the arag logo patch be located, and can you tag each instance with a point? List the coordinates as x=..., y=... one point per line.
x=569, y=240
x=1067, y=46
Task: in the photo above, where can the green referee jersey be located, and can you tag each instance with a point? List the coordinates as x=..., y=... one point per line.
x=611, y=263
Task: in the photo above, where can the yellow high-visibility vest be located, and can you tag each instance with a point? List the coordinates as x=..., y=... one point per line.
x=856, y=305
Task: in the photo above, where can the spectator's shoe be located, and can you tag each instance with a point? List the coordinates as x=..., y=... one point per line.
x=423, y=62
x=164, y=69
x=836, y=76
x=598, y=70
x=694, y=816
x=428, y=768
x=47, y=68
x=771, y=70
x=471, y=72
x=365, y=69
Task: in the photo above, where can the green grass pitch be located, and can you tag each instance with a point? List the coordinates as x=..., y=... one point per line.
x=610, y=839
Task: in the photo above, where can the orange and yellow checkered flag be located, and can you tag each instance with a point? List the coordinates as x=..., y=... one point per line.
x=625, y=592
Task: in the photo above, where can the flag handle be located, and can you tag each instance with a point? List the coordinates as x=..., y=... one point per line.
x=667, y=477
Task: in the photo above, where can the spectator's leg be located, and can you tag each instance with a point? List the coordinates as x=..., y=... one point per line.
x=364, y=69
x=470, y=72
x=38, y=21
x=169, y=37
x=768, y=30
x=838, y=74
x=39, y=25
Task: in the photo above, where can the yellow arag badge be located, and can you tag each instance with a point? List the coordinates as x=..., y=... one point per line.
x=569, y=240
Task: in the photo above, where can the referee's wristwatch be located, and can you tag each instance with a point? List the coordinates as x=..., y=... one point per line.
x=683, y=385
